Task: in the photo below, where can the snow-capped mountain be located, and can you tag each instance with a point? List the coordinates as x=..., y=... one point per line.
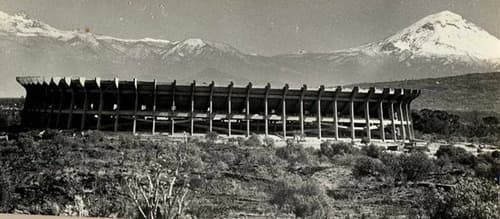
x=441, y=44
x=443, y=34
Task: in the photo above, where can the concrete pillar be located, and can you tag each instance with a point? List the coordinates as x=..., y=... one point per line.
x=393, y=122
x=304, y=88
x=283, y=108
x=118, y=103
x=351, y=109
x=336, y=119
x=381, y=119
x=153, y=126
x=191, y=114
x=229, y=113
x=407, y=114
x=367, y=119
x=266, y=114
x=136, y=103
x=101, y=103
x=249, y=87
x=401, y=120
x=318, y=101
x=210, y=108
x=173, y=108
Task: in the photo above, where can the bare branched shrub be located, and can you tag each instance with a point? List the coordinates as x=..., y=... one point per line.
x=162, y=191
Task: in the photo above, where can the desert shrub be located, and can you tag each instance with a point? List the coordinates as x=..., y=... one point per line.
x=330, y=149
x=487, y=165
x=303, y=198
x=468, y=198
x=253, y=141
x=95, y=136
x=365, y=140
x=49, y=134
x=416, y=166
x=295, y=154
x=456, y=155
x=211, y=136
x=368, y=166
x=268, y=142
x=372, y=150
x=408, y=167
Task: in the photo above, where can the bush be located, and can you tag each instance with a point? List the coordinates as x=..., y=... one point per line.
x=367, y=166
x=416, y=166
x=295, y=154
x=469, y=198
x=372, y=150
x=408, y=167
x=330, y=149
x=253, y=141
x=303, y=198
x=211, y=136
x=456, y=155
x=95, y=136
x=268, y=142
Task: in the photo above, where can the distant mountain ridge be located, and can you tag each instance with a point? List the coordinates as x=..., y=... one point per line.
x=470, y=92
x=443, y=44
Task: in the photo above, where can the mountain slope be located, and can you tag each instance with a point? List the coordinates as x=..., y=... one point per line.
x=443, y=44
x=471, y=92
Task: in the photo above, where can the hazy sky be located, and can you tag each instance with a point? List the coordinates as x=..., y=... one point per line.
x=265, y=27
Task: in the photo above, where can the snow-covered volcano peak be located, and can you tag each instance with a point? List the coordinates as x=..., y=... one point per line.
x=440, y=35
x=23, y=25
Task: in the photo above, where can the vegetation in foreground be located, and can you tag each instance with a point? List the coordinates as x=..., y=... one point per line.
x=95, y=174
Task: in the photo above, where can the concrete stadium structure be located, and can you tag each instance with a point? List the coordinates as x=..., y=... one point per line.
x=155, y=107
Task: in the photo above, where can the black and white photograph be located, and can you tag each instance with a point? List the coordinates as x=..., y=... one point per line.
x=249, y=109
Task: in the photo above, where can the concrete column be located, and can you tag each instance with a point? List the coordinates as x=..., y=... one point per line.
x=351, y=109
x=153, y=126
x=118, y=103
x=318, y=101
x=336, y=119
x=393, y=122
x=407, y=115
x=381, y=119
x=367, y=119
x=401, y=120
x=229, y=115
x=283, y=108
x=304, y=88
x=173, y=108
x=191, y=114
x=71, y=106
x=136, y=103
x=210, y=108
x=101, y=103
x=266, y=118
x=410, y=121
x=249, y=87
x=266, y=114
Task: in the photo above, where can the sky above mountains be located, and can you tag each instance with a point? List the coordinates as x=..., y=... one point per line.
x=260, y=26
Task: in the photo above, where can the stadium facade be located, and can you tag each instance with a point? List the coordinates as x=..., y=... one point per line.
x=156, y=107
